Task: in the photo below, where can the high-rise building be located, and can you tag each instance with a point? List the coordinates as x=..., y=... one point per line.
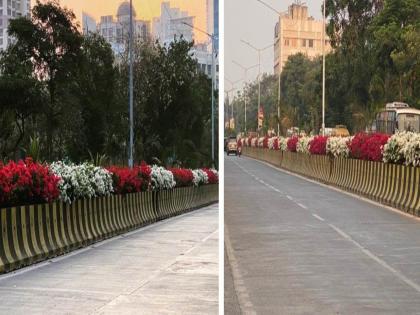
x=88, y=24
x=296, y=32
x=116, y=31
x=172, y=24
x=11, y=9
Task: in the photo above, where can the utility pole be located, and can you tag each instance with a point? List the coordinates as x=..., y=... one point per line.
x=280, y=14
x=245, y=69
x=323, y=71
x=131, y=38
x=259, y=51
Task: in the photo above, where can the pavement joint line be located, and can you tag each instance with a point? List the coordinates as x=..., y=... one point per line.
x=318, y=217
x=200, y=242
x=361, y=198
x=368, y=253
x=86, y=249
x=154, y=274
x=241, y=291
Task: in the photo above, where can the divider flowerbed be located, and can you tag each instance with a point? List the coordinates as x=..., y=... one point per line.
x=27, y=182
x=401, y=148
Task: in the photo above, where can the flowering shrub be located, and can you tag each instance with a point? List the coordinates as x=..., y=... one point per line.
x=261, y=142
x=126, y=180
x=265, y=142
x=212, y=175
x=27, y=182
x=411, y=150
x=292, y=143
x=302, y=145
x=200, y=178
x=403, y=147
x=82, y=181
x=338, y=146
x=183, y=177
x=249, y=140
x=283, y=143
x=368, y=147
x=239, y=143
x=161, y=178
x=318, y=145
x=273, y=143
x=254, y=142
x=394, y=149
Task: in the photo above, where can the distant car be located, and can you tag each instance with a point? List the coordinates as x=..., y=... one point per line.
x=232, y=146
x=340, y=131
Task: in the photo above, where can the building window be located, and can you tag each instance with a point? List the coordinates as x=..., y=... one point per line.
x=286, y=42
x=311, y=43
x=294, y=42
x=303, y=42
x=209, y=69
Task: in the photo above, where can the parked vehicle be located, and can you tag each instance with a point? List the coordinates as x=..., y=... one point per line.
x=232, y=146
x=395, y=117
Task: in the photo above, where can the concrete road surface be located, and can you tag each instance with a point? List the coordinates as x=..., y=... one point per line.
x=167, y=268
x=296, y=247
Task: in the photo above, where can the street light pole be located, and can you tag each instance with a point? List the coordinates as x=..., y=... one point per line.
x=280, y=14
x=213, y=81
x=245, y=81
x=131, y=160
x=323, y=72
x=258, y=50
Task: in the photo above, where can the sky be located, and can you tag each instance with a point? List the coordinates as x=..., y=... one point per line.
x=251, y=21
x=145, y=9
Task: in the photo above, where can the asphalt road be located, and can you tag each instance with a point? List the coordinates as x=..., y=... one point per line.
x=296, y=247
x=170, y=267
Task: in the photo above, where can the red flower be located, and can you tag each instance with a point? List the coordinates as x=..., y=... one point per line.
x=213, y=178
x=126, y=180
x=368, y=147
x=183, y=177
x=292, y=143
x=265, y=142
x=276, y=144
x=27, y=182
x=318, y=145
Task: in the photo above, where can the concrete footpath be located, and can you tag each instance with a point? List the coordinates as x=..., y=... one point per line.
x=167, y=268
x=296, y=247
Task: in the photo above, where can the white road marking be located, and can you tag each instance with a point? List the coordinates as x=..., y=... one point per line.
x=289, y=197
x=238, y=283
x=368, y=253
x=302, y=206
x=318, y=217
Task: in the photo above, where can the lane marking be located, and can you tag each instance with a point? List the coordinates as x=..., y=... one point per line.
x=302, y=206
x=241, y=290
x=318, y=217
x=367, y=200
x=368, y=253
x=289, y=197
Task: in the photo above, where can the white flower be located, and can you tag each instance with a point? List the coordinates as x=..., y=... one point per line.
x=254, y=142
x=303, y=144
x=200, y=177
x=271, y=143
x=338, y=146
x=161, y=178
x=400, y=147
x=82, y=181
x=283, y=143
